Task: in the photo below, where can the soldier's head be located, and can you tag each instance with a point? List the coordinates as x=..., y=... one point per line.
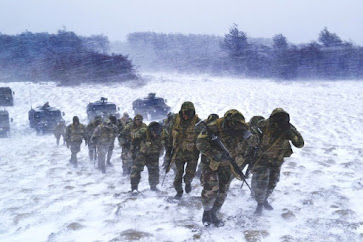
x=138, y=119
x=113, y=119
x=212, y=117
x=187, y=111
x=155, y=129
x=279, y=118
x=125, y=115
x=75, y=120
x=234, y=123
x=97, y=120
x=254, y=120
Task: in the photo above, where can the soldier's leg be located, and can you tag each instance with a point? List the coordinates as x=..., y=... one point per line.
x=224, y=175
x=102, y=157
x=178, y=179
x=274, y=179
x=109, y=154
x=260, y=180
x=137, y=168
x=91, y=150
x=209, y=194
x=58, y=138
x=126, y=161
x=75, y=148
x=152, y=165
x=190, y=171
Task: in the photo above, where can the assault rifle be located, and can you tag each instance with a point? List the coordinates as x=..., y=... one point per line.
x=215, y=139
x=169, y=164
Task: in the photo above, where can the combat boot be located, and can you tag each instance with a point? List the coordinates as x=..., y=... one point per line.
x=207, y=218
x=154, y=189
x=267, y=206
x=258, y=210
x=217, y=222
x=178, y=196
x=109, y=163
x=188, y=188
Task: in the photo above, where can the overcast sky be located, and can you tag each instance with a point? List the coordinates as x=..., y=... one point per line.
x=299, y=20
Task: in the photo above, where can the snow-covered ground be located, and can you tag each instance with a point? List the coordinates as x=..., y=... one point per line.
x=319, y=196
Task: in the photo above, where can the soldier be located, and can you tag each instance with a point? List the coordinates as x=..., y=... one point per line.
x=60, y=130
x=112, y=145
x=90, y=128
x=74, y=134
x=104, y=137
x=165, y=137
x=211, y=118
x=274, y=146
x=216, y=169
x=126, y=140
x=148, y=147
x=125, y=153
x=182, y=146
x=125, y=119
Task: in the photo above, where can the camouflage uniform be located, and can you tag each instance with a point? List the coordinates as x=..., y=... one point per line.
x=211, y=118
x=165, y=137
x=104, y=137
x=74, y=134
x=148, y=147
x=216, y=169
x=90, y=128
x=60, y=130
x=182, y=139
x=125, y=140
x=274, y=146
x=125, y=144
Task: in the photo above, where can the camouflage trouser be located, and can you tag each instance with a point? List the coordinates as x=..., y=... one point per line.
x=102, y=151
x=152, y=164
x=126, y=158
x=109, y=152
x=191, y=161
x=264, y=180
x=57, y=136
x=92, y=152
x=75, y=148
x=215, y=186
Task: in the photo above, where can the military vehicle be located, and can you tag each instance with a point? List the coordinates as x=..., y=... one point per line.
x=6, y=96
x=151, y=107
x=44, y=118
x=102, y=108
x=4, y=124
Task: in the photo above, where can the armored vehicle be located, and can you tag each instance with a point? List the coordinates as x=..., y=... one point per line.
x=151, y=107
x=102, y=108
x=44, y=118
x=4, y=123
x=6, y=96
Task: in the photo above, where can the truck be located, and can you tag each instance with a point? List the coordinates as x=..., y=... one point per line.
x=151, y=107
x=6, y=96
x=44, y=118
x=102, y=108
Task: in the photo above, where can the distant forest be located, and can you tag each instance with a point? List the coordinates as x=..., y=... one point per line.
x=236, y=54
x=63, y=57
x=68, y=58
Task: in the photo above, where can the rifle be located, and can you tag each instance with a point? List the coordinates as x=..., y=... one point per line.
x=219, y=142
x=170, y=163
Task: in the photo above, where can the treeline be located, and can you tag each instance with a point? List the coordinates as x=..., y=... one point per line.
x=235, y=54
x=63, y=57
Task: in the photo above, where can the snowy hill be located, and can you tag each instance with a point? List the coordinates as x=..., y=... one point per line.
x=319, y=196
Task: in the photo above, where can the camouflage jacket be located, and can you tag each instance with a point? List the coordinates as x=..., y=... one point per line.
x=125, y=136
x=60, y=129
x=238, y=146
x=145, y=144
x=105, y=133
x=75, y=133
x=90, y=129
x=182, y=135
x=273, y=148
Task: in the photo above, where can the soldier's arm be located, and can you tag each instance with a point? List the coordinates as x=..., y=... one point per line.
x=296, y=138
x=68, y=133
x=205, y=147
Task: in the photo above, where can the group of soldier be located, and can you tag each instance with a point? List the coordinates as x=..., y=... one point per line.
x=226, y=146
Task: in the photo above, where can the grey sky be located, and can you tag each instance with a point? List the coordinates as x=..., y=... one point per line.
x=299, y=20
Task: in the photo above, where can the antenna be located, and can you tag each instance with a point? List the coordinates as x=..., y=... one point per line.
x=30, y=91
